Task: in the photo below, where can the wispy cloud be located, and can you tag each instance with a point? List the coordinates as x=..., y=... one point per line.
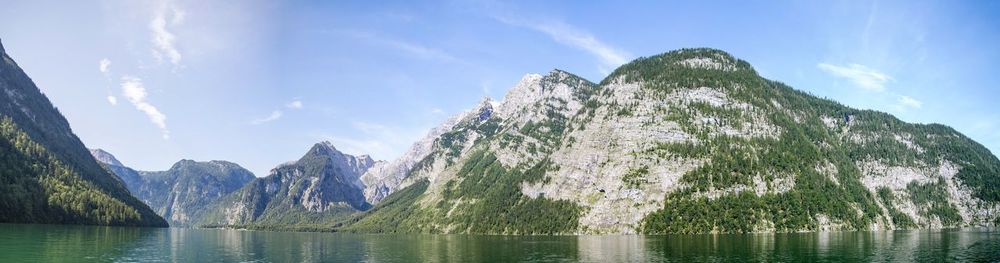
x=275, y=115
x=486, y=88
x=872, y=80
x=908, y=101
x=295, y=104
x=421, y=51
x=104, y=65
x=410, y=48
x=165, y=42
x=862, y=76
x=135, y=92
x=566, y=34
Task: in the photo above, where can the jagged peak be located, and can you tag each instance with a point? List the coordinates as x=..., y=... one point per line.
x=325, y=147
x=105, y=157
x=558, y=75
x=486, y=107
x=2, y=51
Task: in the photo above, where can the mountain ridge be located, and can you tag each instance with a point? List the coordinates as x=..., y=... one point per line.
x=664, y=136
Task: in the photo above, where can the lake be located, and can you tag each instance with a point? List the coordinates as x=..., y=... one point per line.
x=60, y=243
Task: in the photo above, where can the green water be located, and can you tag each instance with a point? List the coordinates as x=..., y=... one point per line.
x=55, y=243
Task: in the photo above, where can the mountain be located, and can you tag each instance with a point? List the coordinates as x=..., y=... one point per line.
x=184, y=192
x=320, y=189
x=47, y=174
x=689, y=141
x=385, y=177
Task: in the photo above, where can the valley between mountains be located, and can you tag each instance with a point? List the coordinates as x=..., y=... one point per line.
x=688, y=141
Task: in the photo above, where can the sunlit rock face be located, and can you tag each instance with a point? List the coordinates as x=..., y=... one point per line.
x=687, y=141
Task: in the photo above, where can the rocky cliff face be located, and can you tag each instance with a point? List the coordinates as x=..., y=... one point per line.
x=385, y=177
x=182, y=193
x=321, y=187
x=688, y=141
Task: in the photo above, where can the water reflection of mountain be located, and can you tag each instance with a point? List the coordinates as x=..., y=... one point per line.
x=54, y=243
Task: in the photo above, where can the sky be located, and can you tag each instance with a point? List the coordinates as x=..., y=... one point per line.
x=258, y=82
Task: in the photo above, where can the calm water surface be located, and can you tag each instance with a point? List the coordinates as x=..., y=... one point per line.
x=53, y=243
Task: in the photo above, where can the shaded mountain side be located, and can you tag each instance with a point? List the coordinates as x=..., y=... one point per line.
x=185, y=191
x=48, y=176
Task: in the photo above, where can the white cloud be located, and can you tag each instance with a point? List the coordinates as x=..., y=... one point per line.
x=421, y=51
x=165, y=42
x=566, y=34
x=908, y=101
x=275, y=115
x=437, y=111
x=864, y=77
x=295, y=104
x=104, y=65
x=135, y=92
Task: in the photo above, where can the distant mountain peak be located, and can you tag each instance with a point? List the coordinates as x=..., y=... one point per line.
x=2, y=51
x=366, y=158
x=324, y=148
x=486, y=107
x=561, y=75
x=188, y=163
x=105, y=157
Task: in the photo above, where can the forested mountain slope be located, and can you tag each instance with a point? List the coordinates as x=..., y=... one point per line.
x=47, y=174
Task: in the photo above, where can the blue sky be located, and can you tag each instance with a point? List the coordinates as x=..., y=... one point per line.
x=258, y=82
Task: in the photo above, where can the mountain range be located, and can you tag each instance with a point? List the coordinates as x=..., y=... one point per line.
x=688, y=141
x=181, y=193
x=318, y=190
